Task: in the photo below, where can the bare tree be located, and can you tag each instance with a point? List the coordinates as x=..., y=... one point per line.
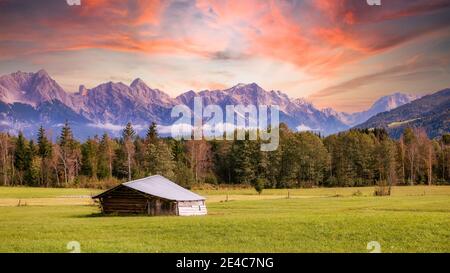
x=410, y=138
x=402, y=158
x=199, y=154
x=4, y=156
x=128, y=135
x=426, y=153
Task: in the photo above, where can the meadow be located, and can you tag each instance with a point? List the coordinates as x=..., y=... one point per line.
x=412, y=219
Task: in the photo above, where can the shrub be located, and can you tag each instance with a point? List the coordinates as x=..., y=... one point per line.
x=382, y=189
x=357, y=193
x=105, y=183
x=211, y=179
x=259, y=185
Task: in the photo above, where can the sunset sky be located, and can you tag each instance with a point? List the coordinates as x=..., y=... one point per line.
x=340, y=54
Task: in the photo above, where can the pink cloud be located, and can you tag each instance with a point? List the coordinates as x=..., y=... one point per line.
x=317, y=36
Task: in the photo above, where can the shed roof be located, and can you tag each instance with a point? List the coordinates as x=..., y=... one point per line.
x=160, y=186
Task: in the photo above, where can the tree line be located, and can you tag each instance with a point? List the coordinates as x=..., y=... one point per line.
x=303, y=159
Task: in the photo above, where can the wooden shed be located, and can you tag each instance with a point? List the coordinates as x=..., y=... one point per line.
x=153, y=195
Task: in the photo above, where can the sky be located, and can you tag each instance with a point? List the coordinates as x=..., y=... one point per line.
x=342, y=54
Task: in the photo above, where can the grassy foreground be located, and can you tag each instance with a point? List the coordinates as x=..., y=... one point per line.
x=413, y=219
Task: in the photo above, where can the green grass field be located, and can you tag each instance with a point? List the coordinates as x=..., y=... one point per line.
x=413, y=219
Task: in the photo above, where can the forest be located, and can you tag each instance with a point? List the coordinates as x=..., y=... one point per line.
x=303, y=159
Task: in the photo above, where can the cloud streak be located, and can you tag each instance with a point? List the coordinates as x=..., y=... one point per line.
x=412, y=67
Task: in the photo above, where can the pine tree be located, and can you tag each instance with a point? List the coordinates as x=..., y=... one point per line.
x=128, y=132
x=244, y=164
x=444, y=160
x=311, y=157
x=106, y=155
x=66, y=138
x=89, y=162
x=20, y=157
x=20, y=153
x=140, y=166
x=160, y=159
x=179, y=151
x=182, y=173
x=44, y=145
x=220, y=160
x=259, y=185
x=44, y=151
x=120, y=163
x=32, y=171
x=152, y=134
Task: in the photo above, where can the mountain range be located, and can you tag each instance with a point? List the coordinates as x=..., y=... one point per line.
x=28, y=100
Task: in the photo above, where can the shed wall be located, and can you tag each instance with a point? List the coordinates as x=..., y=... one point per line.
x=189, y=208
x=124, y=200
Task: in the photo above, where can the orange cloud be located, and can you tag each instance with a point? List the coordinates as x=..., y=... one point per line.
x=349, y=18
x=318, y=36
x=279, y=37
x=272, y=29
x=143, y=11
x=265, y=27
x=353, y=12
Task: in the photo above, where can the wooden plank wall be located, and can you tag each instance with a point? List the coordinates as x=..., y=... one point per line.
x=162, y=207
x=124, y=200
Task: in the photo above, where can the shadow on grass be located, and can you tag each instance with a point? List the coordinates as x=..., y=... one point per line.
x=110, y=215
x=92, y=215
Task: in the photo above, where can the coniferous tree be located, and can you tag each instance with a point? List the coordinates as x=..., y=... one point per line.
x=312, y=159
x=128, y=132
x=106, y=156
x=44, y=145
x=44, y=151
x=89, y=161
x=33, y=165
x=120, y=163
x=152, y=134
x=160, y=159
x=158, y=154
x=444, y=158
x=182, y=173
x=244, y=165
x=20, y=157
x=139, y=161
x=69, y=153
x=220, y=162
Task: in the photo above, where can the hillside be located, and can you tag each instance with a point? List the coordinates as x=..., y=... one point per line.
x=431, y=112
